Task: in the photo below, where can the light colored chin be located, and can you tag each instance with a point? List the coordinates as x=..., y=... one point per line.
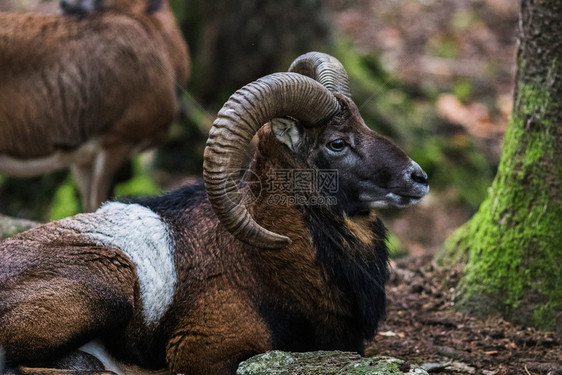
x=392, y=200
x=411, y=202
x=379, y=204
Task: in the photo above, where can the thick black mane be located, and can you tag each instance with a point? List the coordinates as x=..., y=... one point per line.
x=174, y=203
x=361, y=279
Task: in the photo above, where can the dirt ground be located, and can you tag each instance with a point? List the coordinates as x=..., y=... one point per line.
x=422, y=327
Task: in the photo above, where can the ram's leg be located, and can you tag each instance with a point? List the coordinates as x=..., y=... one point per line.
x=74, y=363
x=54, y=300
x=106, y=165
x=51, y=371
x=83, y=177
x=34, y=167
x=82, y=169
x=220, y=333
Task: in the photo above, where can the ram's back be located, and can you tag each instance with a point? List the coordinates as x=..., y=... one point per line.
x=65, y=81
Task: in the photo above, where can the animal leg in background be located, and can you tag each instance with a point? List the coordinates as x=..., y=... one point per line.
x=97, y=177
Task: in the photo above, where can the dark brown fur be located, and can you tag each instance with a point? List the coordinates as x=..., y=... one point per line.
x=250, y=300
x=59, y=291
x=110, y=76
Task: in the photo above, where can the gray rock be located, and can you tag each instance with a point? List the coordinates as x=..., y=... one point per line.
x=10, y=226
x=324, y=363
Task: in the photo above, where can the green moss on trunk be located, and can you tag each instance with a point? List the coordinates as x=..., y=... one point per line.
x=514, y=267
x=513, y=244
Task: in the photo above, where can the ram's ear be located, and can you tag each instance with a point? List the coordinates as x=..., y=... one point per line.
x=287, y=131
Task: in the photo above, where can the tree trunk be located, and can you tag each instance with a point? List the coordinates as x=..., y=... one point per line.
x=514, y=242
x=235, y=42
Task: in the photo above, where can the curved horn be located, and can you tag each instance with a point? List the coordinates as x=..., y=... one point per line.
x=275, y=95
x=325, y=69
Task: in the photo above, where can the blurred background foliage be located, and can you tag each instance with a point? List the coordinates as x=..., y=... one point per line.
x=436, y=77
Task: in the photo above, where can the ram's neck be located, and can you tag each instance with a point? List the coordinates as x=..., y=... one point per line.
x=350, y=251
x=270, y=195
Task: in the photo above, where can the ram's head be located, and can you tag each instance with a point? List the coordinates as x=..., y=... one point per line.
x=313, y=116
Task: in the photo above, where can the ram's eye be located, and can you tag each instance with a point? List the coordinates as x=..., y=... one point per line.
x=337, y=145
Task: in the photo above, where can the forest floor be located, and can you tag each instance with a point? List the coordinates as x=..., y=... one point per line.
x=422, y=327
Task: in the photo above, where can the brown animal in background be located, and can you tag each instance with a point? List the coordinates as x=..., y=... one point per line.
x=87, y=91
x=196, y=282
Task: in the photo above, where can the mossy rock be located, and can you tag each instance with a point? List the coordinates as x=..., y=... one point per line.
x=324, y=363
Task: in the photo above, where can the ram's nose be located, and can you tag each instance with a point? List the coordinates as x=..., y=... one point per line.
x=417, y=177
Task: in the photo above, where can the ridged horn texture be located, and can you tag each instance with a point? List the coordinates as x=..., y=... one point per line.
x=245, y=112
x=325, y=69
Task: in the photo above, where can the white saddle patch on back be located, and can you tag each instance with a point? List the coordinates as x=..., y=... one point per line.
x=141, y=235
